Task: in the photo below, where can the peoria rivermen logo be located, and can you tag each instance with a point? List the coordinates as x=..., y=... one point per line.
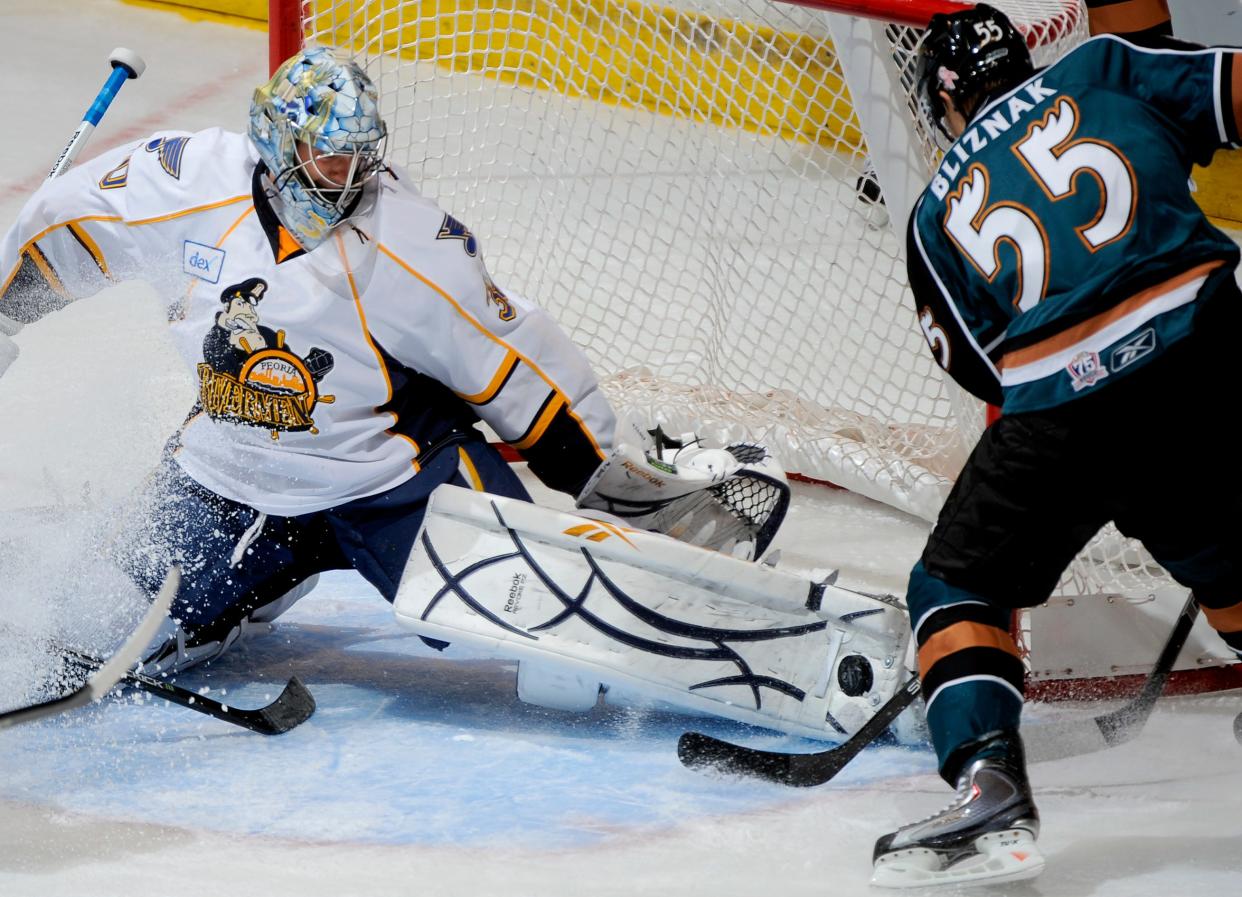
x=249, y=376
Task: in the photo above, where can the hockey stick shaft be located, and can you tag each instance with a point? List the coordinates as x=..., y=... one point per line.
x=112, y=672
x=126, y=64
x=1055, y=741
x=698, y=751
x=295, y=703
x=292, y=707
x=1047, y=742
x=1123, y=724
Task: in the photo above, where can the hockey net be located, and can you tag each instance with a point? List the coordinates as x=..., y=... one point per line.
x=690, y=189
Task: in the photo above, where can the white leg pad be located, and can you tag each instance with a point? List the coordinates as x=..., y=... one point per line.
x=582, y=603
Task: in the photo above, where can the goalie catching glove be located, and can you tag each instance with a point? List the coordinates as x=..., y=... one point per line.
x=731, y=499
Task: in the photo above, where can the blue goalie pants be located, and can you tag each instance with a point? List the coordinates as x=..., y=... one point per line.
x=240, y=566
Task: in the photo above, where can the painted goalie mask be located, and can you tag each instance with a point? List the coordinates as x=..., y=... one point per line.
x=331, y=108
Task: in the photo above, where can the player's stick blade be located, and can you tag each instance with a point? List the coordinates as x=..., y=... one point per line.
x=293, y=707
x=699, y=751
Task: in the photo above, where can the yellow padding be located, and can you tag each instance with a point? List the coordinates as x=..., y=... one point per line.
x=244, y=9
x=729, y=72
x=1220, y=187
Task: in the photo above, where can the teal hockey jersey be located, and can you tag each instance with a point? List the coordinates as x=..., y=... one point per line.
x=1058, y=247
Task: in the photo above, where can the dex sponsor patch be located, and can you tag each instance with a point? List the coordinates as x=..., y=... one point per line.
x=202, y=261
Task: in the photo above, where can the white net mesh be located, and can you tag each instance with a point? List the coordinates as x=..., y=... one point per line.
x=678, y=187
x=681, y=186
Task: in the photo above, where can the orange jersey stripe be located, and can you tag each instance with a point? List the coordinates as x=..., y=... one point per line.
x=963, y=635
x=1128, y=17
x=1080, y=332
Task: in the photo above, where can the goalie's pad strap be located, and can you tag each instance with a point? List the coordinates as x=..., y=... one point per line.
x=645, y=614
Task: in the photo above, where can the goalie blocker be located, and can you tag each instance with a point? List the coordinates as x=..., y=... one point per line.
x=587, y=606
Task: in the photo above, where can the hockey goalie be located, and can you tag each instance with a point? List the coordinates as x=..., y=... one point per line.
x=345, y=340
x=591, y=606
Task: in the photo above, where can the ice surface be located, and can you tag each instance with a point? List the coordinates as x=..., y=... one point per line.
x=421, y=774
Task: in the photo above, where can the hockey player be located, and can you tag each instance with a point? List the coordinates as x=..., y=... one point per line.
x=1062, y=271
x=345, y=338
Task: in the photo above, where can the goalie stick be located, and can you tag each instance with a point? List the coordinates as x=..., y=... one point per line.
x=1047, y=742
x=126, y=64
x=292, y=707
x=295, y=703
x=112, y=672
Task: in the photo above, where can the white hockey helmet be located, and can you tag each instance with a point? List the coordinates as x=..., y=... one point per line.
x=318, y=105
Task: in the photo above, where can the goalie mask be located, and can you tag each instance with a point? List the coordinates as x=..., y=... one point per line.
x=969, y=55
x=318, y=130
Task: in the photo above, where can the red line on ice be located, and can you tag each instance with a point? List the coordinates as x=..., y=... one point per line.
x=140, y=128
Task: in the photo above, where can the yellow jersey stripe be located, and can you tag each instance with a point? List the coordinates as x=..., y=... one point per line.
x=502, y=374
x=469, y=471
x=92, y=248
x=245, y=197
x=366, y=334
x=43, y=233
x=494, y=338
x=45, y=268
x=535, y=433
x=236, y=224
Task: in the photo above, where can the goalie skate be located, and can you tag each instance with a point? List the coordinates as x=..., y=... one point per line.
x=986, y=836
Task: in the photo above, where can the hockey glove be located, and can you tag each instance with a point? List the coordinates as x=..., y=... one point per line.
x=731, y=499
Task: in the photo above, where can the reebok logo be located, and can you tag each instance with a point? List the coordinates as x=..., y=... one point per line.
x=1138, y=346
x=515, y=593
x=646, y=475
x=598, y=532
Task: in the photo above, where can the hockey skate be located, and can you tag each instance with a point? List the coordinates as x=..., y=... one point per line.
x=987, y=835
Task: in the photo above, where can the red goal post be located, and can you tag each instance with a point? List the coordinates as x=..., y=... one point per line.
x=286, y=18
x=681, y=184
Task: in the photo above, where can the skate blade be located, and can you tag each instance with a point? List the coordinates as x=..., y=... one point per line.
x=1000, y=857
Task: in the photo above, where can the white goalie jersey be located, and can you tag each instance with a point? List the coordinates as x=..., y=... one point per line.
x=322, y=377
